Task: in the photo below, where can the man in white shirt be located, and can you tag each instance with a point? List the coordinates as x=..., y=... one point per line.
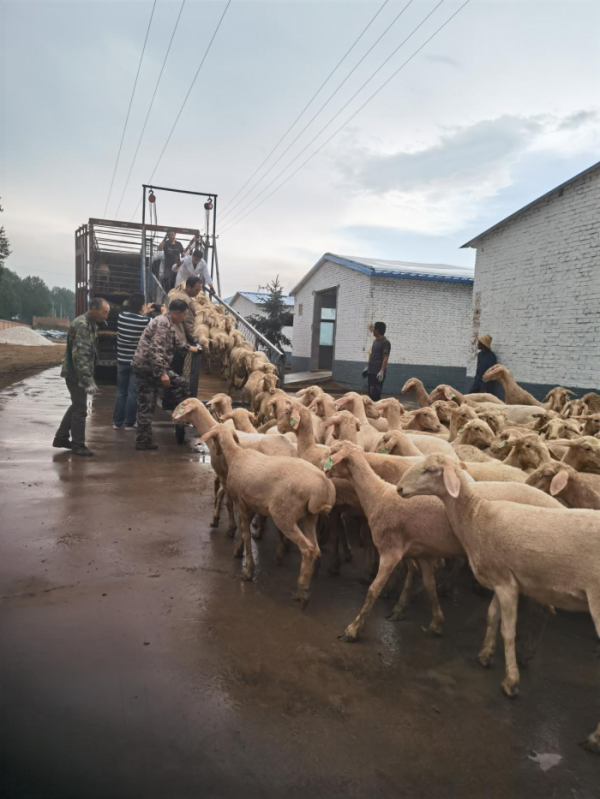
x=192, y=265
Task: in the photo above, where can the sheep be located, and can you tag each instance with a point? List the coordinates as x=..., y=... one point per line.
x=219, y=404
x=494, y=471
x=404, y=529
x=444, y=409
x=476, y=433
x=592, y=400
x=397, y=442
x=574, y=408
x=583, y=454
x=262, y=404
x=459, y=416
x=392, y=411
x=307, y=395
x=514, y=394
x=560, y=428
x=324, y=407
x=374, y=417
x=562, y=481
x=416, y=387
x=288, y=490
x=556, y=399
x=244, y=420
x=527, y=453
x=345, y=426
x=423, y=420
x=236, y=339
x=540, y=417
x=470, y=454
x=219, y=343
x=444, y=392
x=497, y=420
x=591, y=426
x=240, y=367
x=368, y=437
x=549, y=554
x=258, y=382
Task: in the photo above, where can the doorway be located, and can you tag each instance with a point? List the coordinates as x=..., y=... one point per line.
x=323, y=332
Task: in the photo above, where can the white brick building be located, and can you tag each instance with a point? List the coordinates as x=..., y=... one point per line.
x=537, y=288
x=247, y=303
x=427, y=309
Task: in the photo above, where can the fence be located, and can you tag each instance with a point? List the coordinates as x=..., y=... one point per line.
x=6, y=323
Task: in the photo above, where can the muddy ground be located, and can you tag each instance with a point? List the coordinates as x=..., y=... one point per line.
x=135, y=662
x=18, y=362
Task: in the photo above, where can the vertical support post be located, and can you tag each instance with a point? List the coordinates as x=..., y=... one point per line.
x=214, y=238
x=143, y=256
x=217, y=267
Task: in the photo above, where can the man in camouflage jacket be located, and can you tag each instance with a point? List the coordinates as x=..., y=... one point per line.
x=78, y=371
x=152, y=366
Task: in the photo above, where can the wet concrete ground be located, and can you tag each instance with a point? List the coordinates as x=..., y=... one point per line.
x=135, y=662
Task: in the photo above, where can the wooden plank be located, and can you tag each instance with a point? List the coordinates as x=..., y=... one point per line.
x=213, y=383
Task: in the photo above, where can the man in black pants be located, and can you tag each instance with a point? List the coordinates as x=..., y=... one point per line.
x=377, y=366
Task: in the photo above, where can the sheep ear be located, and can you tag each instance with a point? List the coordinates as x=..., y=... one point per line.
x=572, y=393
x=463, y=466
x=302, y=392
x=451, y=481
x=559, y=481
x=447, y=393
x=211, y=434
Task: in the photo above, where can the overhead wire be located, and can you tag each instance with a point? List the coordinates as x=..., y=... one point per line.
x=333, y=71
x=150, y=107
x=358, y=110
x=129, y=109
x=326, y=103
x=185, y=99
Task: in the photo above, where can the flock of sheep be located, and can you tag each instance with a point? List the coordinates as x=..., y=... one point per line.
x=513, y=487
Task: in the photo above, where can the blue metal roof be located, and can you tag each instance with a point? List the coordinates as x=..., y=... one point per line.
x=257, y=297
x=375, y=267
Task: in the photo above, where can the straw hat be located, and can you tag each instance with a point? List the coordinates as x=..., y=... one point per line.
x=486, y=340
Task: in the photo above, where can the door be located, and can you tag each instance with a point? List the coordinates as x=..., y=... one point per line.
x=324, y=330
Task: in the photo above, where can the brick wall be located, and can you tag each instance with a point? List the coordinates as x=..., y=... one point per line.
x=537, y=289
x=428, y=323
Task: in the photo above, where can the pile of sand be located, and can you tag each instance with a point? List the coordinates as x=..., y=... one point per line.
x=24, y=336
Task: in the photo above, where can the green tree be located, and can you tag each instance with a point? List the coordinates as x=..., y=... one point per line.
x=36, y=299
x=10, y=294
x=63, y=302
x=276, y=315
x=4, y=247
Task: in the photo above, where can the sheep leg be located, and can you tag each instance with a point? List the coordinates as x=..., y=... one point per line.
x=232, y=523
x=403, y=602
x=309, y=552
x=283, y=546
x=592, y=744
x=246, y=543
x=387, y=564
x=335, y=520
x=450, y=581
x=220, y=493
x=536, y=618
x=258, y=531
x=486, y=652
x=508, y=597
x=428, y=572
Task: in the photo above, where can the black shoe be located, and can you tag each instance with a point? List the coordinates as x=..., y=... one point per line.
x=150, y=445
x=62, y=443
x=81, y=449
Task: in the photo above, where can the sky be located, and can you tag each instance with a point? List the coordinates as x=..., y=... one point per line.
x=496, y=109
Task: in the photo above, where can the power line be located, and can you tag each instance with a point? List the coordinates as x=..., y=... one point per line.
x=150, y=108
x=186, y=99
x=358, y=110
x=346, y=104
x=309, y=123
x=129, y=110
x=339, y=63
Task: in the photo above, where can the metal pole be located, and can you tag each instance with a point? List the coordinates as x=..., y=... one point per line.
x=217, y=267
x=214, y=238
x=143, y=259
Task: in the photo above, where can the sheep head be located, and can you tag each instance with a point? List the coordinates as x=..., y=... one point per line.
x=388, y=406
x=560, y=428
x=444, y=392
x=288, y=420
x=411, y=385
x=591, y=425
x=183, y=411
x=497, y=420
x=427, y=420
x=574, y=408
x=528, y=452
x=592, y=400
x=443, y=409
x=370, y=409
x=583, y=454
x=394, y=442
x=436, y=475
x=552, y=477
x=307, y=395
x=558, y=398
x=340, y=456
x=478, y=434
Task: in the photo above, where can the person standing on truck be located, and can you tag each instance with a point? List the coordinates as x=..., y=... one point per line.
x=192, y=265
x=186, y=293
x=172, y=250
x=152, y=366
x=78, y=371
x=377, y=365
x=132, y=323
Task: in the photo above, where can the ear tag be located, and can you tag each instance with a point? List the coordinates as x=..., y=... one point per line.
x=461, y=430
x=503, y=444
x=328, y=464
x=452, y=396
x=384, y=451
x=181, y=410
x=293, y=421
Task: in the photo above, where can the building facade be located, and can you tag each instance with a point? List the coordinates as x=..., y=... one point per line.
x=537, y=288
x=247, y=303
x=427, y=309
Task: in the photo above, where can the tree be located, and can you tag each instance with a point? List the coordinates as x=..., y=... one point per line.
x=36, y=299
x=276, y=315
x=10, y=294
x=4, y=247
x=63, y=302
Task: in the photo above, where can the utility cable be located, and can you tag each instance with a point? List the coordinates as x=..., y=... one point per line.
x=358, y=110
x=309, y=123
x=129, y=110
x=337, y=66
x=150, y=108
x=346, y=104
x=185, y=100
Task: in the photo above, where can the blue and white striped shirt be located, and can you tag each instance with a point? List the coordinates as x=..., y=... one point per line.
x=129, y=330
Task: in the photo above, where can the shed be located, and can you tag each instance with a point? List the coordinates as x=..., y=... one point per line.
x=537, y=288
x=426, y=307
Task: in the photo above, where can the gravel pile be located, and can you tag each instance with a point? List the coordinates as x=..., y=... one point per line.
x=24, y=336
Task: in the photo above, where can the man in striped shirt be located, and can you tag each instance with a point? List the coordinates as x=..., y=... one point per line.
x=132, y=323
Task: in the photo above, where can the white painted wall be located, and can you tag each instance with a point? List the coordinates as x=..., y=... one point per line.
x=537, y=285
x=427, y=322
x=246, y=308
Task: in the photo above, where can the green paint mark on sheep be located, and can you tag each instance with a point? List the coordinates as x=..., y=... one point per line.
x=328, y=464
x=503, y=443
x=384, y=451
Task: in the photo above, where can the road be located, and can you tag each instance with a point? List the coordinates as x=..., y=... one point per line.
x=136, y=663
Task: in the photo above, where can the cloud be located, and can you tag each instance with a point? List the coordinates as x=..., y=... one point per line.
x=442, y=186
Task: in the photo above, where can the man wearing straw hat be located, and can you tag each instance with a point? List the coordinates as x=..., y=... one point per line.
x=485, y=359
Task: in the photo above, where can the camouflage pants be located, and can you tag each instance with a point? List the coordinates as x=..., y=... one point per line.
x=147, y=391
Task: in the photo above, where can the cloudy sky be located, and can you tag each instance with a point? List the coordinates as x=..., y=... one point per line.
x=499, y=107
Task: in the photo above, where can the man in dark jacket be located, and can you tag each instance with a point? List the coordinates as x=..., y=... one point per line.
x=78, y=371
x=486, y=359
x=152, y=366
x=378, y=360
